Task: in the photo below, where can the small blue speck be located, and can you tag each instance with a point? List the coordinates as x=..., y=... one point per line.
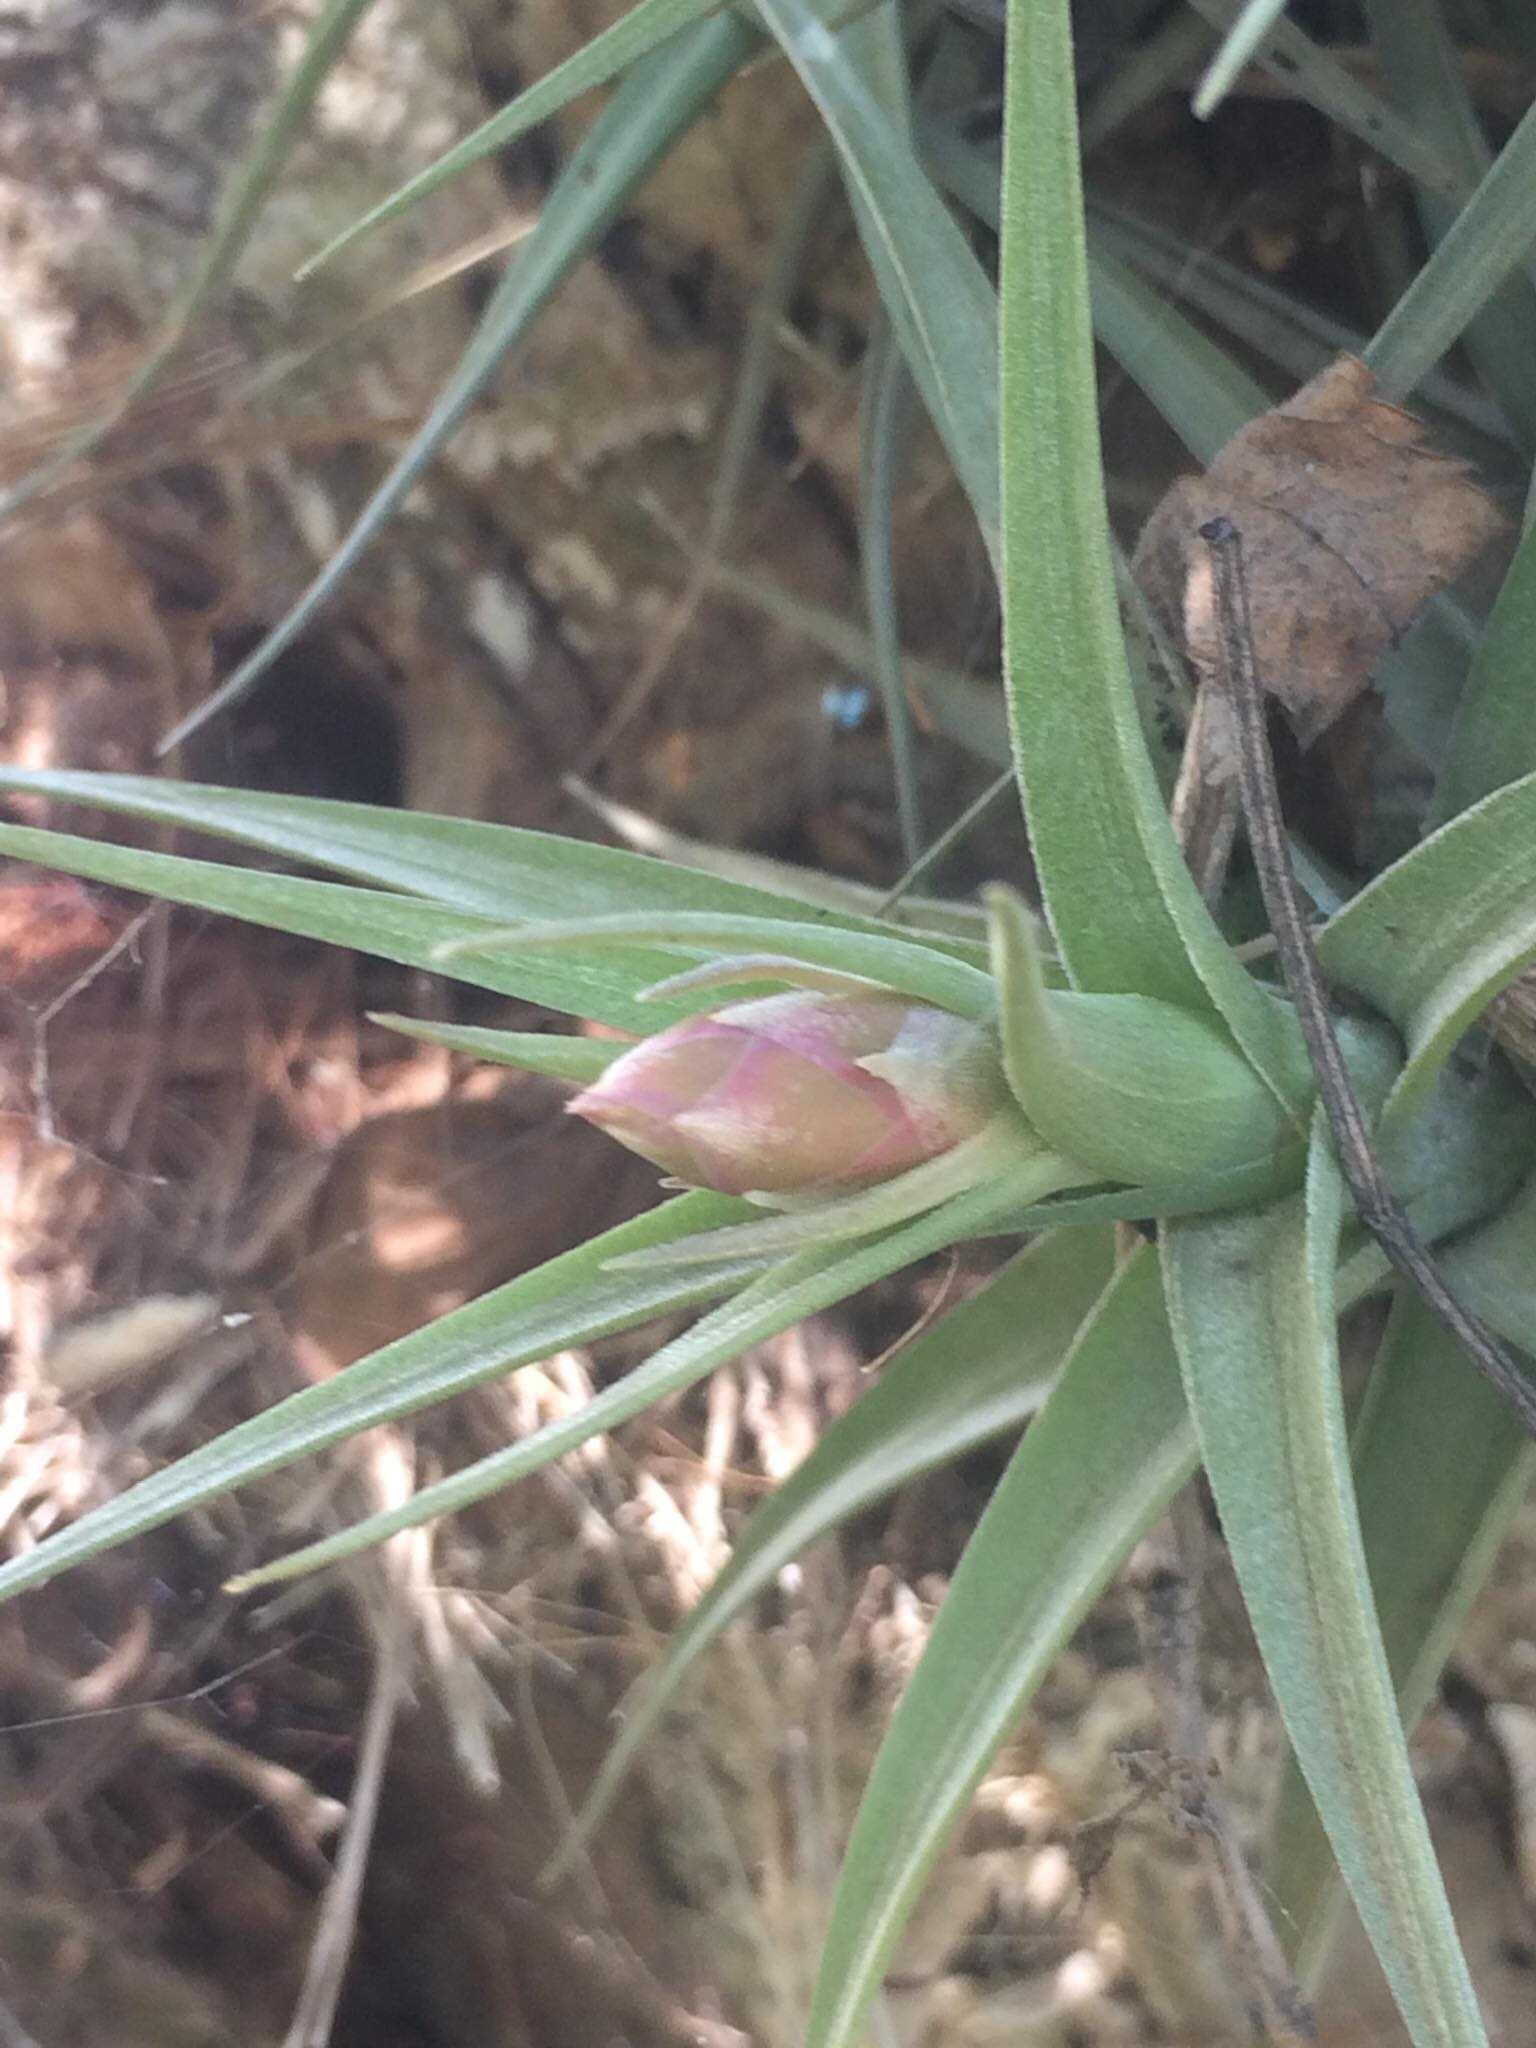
x=846, y=705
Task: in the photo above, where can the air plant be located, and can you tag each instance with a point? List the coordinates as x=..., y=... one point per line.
x=889, y=1089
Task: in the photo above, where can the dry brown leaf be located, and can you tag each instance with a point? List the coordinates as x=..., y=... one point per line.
x=1350, y=522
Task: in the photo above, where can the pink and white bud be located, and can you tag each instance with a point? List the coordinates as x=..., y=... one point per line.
x=802, y=1092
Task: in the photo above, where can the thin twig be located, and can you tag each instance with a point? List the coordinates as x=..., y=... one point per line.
x=1380, y=1211
x=39, y=1020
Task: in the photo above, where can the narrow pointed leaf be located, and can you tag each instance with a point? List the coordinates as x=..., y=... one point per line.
x=1097, y=1466
x=636, y=33
x=1431, y=1525
x=558, y=1054
x=784, y=1295
x=1005, y=1147
x=501, y=871
x=1252, y=24
x=907, y=965
x=980, y=1372
x=1125, y=911
x=1470, y=289
x=603, y=987
x=662, y=95
x=1252, y=1307
x=1493, y=741
x=935, y=292
x=1432, y=940
x=568, y=1300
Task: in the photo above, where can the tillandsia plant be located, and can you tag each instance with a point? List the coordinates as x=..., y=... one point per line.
x=888, y=1089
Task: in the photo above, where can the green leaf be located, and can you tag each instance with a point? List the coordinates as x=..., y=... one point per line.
x=1252, y=1307
x=560, y=1055
x=662, y=95
x=220, y=249
x=786, y=1294
x=980, y=1372
x=1138, y=1090
x=1432, y=940
x=501, y=871
x=906, y=964
x=1199, y=390
x=1291, y=334
x=568, y=1300
x=643, y=29
x=958, y=927
x=1493, y=741
x=1005, y=1150
x=1431, y=1525
x=1312, y=73
x=1252, y=23
x=934, y=289
x=1097, y=1466
x=1123, y=906
x=603, y=987
x=1204, y=396
x=1466, y=291
x=1493, y=1269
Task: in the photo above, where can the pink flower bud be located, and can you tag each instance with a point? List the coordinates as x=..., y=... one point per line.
x=800, y=1092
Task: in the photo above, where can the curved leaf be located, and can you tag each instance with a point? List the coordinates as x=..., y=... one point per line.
x=786, y=1294
x=981, y=1371
x=1007, y=1150
x=1431, y=1524
x=1435, y=938
x=1252, y=1306
x=1097, y=1466
x=1125, y=911
x=1140, y=1090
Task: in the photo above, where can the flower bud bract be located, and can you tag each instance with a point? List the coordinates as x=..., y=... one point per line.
x=802, y=1092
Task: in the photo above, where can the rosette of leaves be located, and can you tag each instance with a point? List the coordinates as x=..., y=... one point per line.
x=1151, y=1073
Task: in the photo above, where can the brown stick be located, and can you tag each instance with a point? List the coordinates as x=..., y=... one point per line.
x=1380, y=1211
